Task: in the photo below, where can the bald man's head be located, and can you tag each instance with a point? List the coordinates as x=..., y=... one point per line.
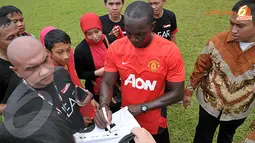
x=31, y=61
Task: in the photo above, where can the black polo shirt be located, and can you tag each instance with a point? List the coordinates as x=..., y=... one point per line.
x=166, y=25
x=108, y=24
x=25, y=100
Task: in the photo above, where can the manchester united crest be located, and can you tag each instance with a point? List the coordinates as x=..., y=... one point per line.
x=153, y=65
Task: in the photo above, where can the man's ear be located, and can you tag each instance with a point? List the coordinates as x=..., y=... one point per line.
x=14, y=69
x=164, y=1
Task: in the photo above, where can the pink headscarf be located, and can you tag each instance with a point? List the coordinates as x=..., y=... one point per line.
x=44, y=32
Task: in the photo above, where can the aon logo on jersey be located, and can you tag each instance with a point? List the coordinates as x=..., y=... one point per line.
x=140, y=83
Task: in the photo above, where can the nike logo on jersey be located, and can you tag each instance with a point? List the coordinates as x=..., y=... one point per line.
x=124, y=63
x=139, y=83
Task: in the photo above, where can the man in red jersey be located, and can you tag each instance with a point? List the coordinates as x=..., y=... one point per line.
x=145, y=62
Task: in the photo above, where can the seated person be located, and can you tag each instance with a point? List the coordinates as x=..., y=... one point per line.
x=15, y=15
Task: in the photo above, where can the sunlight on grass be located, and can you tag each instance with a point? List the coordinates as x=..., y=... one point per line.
x=195, y=29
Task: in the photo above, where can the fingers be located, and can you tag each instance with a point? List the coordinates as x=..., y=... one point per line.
x=100, y=119
x=186, y=101
x=186, y=104
x=109, y=115
x=136, y=130
x=115, y=31
x=136, y=140
x=95, y=104
x=142, y=135
x=114, y=101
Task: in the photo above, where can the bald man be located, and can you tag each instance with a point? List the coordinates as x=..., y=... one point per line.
x=8, y=32
x=42, y=83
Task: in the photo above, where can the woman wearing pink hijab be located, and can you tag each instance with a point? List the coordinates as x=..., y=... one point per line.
x=59, y=44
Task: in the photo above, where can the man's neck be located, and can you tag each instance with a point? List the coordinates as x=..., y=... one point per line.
x=3, y=55
x=159, y=15
x=114, y=19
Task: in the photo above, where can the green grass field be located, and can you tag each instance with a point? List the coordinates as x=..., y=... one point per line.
x=195, y=29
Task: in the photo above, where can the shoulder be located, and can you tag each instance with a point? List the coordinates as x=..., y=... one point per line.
x=120, y=46
x=5, y=68
x=122, y=18
x=220, y=37
x=58, y=70
x=169, y=13
x=82, y=46
x=104, y=17
x=166, y=47
x=120, y=43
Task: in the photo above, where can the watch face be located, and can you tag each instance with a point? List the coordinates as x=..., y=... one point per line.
x=144, y=108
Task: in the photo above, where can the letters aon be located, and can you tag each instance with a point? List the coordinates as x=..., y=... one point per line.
x=139, y=83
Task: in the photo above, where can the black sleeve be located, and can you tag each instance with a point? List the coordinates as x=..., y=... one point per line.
x=14, y=82
x=82, y=63
x=173, y=22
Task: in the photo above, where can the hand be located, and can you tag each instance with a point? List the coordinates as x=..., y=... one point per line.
x=87, y=99
x=253, y=125
x=115, y=31
x=94, y=104
x=135, y=109
x=114, y=101
x=2, y=106
x=87, y=121
x=186, y=101
x=100, y=119
x=99, y=72
x=142, y=135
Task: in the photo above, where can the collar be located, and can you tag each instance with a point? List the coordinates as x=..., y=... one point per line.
x=229, y=37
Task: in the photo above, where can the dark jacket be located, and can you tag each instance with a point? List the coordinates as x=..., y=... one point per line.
x=84, y=63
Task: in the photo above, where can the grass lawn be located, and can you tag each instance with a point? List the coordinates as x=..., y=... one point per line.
x=195, y=29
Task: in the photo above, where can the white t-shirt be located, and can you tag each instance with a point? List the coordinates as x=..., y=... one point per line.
x=124, y=121
x=245, y=45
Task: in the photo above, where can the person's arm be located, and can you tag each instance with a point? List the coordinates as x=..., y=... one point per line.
x=142, y=135
x=106, y=92
x=173, y=96
x=173, y=38
x=106, y=89
x=201, y=69
x=81, y=65
x=174, y=28
x=107, y=85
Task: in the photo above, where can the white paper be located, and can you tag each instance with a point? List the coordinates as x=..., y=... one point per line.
x=124, y=122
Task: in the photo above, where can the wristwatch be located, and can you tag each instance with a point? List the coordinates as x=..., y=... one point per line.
x=144, y=108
